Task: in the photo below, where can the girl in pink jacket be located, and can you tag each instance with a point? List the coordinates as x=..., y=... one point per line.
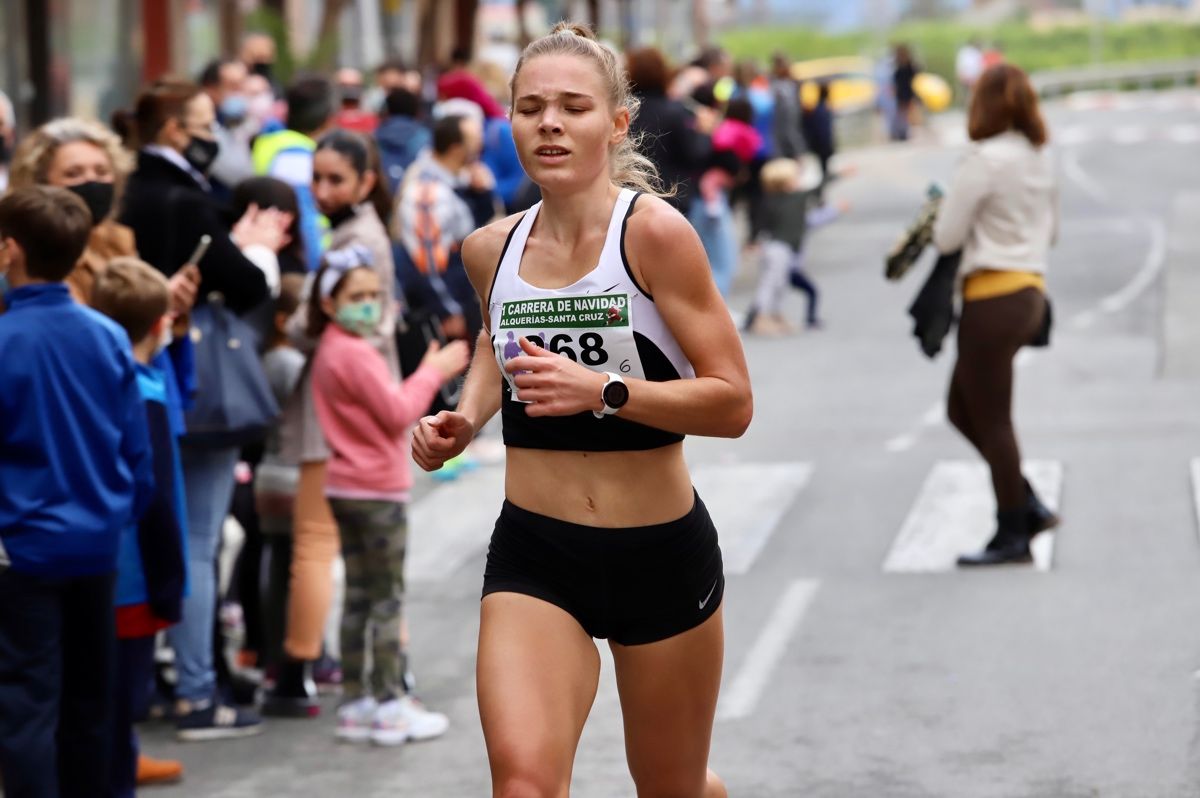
x=365, y=415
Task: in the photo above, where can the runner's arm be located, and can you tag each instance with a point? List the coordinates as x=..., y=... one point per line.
x=667, y=256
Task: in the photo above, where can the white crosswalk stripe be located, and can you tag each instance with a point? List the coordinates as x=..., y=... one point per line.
x=453, y=523
x=954, y=514
x=747, y=501
x=1196, y=486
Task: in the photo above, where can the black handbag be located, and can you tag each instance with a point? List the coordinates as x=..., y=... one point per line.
x=234, y=404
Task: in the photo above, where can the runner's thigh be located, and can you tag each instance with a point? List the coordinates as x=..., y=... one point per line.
x=537, y=674
x=668, y=699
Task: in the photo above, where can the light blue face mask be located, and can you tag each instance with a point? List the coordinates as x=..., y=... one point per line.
x=233, y=109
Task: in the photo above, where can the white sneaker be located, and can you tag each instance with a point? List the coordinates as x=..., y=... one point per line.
x=390, y=726
x=423, y=724
x=356, y=719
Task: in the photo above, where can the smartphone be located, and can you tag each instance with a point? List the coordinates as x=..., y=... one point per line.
x=199, y=251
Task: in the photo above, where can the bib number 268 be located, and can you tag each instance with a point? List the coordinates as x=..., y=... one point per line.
x=591, y=347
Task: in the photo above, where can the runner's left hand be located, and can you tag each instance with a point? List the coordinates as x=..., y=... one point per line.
x=556, y=385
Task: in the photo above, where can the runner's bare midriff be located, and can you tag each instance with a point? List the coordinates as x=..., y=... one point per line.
x=605, y=489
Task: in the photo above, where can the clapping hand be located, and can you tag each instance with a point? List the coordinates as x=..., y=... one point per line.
x=267, y=227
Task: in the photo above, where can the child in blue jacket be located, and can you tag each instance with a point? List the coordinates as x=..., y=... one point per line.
x=151, y=569
x=75, y=468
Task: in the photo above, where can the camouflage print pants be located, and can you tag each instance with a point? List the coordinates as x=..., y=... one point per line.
x=374, y=535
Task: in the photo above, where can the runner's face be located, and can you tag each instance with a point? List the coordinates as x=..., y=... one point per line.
x=562, y=122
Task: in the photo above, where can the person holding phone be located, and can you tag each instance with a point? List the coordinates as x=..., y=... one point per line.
x=169, y=206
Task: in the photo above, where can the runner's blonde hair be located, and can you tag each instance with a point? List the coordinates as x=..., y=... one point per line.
x=627, y=166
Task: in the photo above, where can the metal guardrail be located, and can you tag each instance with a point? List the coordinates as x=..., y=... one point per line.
x=1117, y=76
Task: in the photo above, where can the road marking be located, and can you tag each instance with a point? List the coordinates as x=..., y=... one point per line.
x=1184, y=134
x=452, y=523
x=1152, y=266
x=747, y=501
x=1129, y=134
x=1077, y=174
x=744, y=692
x=954, y=514
x=1196, y=486
x=1073, y=135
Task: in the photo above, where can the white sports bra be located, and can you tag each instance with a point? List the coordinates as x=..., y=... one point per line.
x=606, y=321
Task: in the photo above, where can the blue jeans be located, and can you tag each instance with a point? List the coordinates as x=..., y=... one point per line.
x=719, y=238
x=57, y=640
x=208, y=484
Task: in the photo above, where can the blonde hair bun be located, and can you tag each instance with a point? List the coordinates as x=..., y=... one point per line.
x=573, y=28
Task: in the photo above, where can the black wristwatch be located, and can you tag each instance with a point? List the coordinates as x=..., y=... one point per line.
x=614, y=394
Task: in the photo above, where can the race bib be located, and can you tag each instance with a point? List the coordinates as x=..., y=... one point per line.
x=595, y=330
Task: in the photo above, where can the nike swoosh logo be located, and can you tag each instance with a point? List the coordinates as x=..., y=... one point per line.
x=706, y=598
x=611, y=287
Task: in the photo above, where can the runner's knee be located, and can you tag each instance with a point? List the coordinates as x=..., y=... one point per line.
x=529, y=784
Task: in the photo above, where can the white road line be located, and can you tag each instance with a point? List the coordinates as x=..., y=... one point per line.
x=747, y=501
x=452, y=524
x=1196, y=486
x=1077, y=174
x=901, y=443
x=1152, y=266
x=1184, y=134
x=954, y=514
x=1073, y=135
x=744, y=692
x=1130, y=134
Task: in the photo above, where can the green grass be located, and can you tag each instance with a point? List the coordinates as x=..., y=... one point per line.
x=937, y=43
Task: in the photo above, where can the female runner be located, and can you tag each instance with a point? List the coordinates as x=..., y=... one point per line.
x=615, y=344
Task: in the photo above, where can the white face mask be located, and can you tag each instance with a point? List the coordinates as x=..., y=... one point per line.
x=259, y=107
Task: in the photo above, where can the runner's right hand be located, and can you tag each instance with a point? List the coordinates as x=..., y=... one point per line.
x=438, y=438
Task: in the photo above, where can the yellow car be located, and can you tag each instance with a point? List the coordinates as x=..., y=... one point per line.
x=852, y=85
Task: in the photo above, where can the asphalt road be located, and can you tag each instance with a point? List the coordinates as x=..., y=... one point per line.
x=844, y=678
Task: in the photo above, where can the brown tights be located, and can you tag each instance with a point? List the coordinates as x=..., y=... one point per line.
x=990, y=333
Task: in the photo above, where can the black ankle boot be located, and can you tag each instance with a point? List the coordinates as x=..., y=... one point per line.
x=1010, y=544
x=295, y=693
x=1039, y=517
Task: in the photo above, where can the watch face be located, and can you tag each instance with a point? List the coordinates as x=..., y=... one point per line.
x=616, y=394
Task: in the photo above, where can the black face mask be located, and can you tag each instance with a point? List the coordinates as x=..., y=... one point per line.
x=201, y=153
x=4, y=153
x=98, y=197
x=340, y=215
x=262, y=68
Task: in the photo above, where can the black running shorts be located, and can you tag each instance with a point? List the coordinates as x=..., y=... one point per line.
x=632, y=585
